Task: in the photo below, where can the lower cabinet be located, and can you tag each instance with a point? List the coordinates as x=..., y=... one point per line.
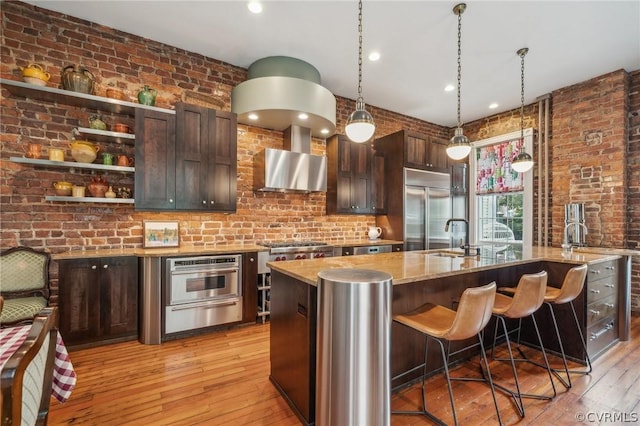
x=98, y=300
x=602, y=307
x=249, y=283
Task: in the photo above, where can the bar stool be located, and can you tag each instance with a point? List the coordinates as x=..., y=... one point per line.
x=527, y=299
x=439, y=323
x=571, y=287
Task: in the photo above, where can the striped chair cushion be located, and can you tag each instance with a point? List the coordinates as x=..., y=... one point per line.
x=22, y=308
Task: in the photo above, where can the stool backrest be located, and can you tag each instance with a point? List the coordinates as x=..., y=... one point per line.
x=572, y=284
x=529, y=295
x=474, y=312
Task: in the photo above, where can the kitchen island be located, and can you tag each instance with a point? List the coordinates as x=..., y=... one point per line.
x=438, y=277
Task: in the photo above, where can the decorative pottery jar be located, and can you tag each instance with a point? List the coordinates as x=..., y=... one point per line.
x=35, y=74
x=98, y=187
x=77, y=79
x=62, y=188
x=83, y=151
x=110, y=193
x=147, y=96
x=96, y=122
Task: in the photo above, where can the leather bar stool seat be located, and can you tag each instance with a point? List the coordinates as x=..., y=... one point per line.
x=527, y=298
x=571, y=288
x=442, y=324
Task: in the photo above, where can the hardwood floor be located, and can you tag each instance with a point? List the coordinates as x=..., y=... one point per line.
x=222, y=379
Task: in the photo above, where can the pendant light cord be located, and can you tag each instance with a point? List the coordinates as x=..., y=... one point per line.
x=522, y=53
x=459, y=61
x=360, y=100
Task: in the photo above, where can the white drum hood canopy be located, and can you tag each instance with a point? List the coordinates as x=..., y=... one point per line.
x=278, y=90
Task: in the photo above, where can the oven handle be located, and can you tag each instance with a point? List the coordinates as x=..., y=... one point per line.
x=204, y=305
x=204, y=271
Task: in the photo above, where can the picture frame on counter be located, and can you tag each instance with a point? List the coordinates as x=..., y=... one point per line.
x=161, y=233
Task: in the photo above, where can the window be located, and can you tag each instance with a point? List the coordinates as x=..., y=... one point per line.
x=501, y=205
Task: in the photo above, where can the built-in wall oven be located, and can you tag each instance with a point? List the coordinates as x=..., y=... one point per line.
x=202, y=291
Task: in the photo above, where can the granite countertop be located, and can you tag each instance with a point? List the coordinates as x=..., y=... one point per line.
x=365, y=242
x=607, y=250
x=188, y=250
x=414, y=266
x=169, y=251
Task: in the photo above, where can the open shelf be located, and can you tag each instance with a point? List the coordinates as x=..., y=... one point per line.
x=106, y=135
x=72, y=165
x=78, y=99
x=89, y=199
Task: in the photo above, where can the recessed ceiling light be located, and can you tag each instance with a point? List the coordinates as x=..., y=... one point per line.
x=449, y=88
x=324, y=131
x=303, y=116
x=374, y=56
x=493, y=105
x=253, y=116
x=254, y=6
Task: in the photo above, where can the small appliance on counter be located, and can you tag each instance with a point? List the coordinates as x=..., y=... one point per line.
x=575, y=230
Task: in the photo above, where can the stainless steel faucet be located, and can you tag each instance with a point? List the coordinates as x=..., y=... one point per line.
x=566, y=231
x=466, y=247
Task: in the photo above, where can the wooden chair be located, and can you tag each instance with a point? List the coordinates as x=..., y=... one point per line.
x=24, y=284
x=27, y=376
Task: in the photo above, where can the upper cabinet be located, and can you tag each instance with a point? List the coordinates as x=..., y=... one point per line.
x=155, y=181
x=188, y=161
x=419, y=151
x=351, y=183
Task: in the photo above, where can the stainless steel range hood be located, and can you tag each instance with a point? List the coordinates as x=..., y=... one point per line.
x=293, y=169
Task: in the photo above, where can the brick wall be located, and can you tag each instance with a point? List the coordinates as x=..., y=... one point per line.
x=589, y=157
x=633, y=183
x=594, y=159
x=129, y=62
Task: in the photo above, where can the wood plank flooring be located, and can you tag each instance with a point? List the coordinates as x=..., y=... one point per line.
x=223, y=379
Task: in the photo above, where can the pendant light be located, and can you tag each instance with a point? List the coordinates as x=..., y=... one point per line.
x=523, y=161
x=459, y=146
x=360, y=126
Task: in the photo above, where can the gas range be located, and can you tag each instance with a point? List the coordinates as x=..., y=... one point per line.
x=296, y=250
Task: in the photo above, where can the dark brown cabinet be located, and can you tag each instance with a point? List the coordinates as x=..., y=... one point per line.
x=155, y=183
x=187, y=160
x=351, y=185
x=419, y=151
x=98, y=300
x=249, y=284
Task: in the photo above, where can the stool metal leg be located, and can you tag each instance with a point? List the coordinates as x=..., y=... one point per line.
x=424, y=410
x=556, y=371
x=517, y=395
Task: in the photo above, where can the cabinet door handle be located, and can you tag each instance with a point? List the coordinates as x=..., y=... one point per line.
x=251, y=259
x=94, y=267
x=594, y=291
x=171, y=200
x=105, y=266
x=611, y=268
x=594, y=312
x=609, y=285
x=204, y=202
x=212, y=202
x=595, y=271
x=609, y=305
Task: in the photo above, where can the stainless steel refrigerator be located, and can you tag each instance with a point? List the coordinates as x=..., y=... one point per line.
x=427, y=207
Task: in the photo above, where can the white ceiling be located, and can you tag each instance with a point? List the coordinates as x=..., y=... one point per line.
x=568, y=41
